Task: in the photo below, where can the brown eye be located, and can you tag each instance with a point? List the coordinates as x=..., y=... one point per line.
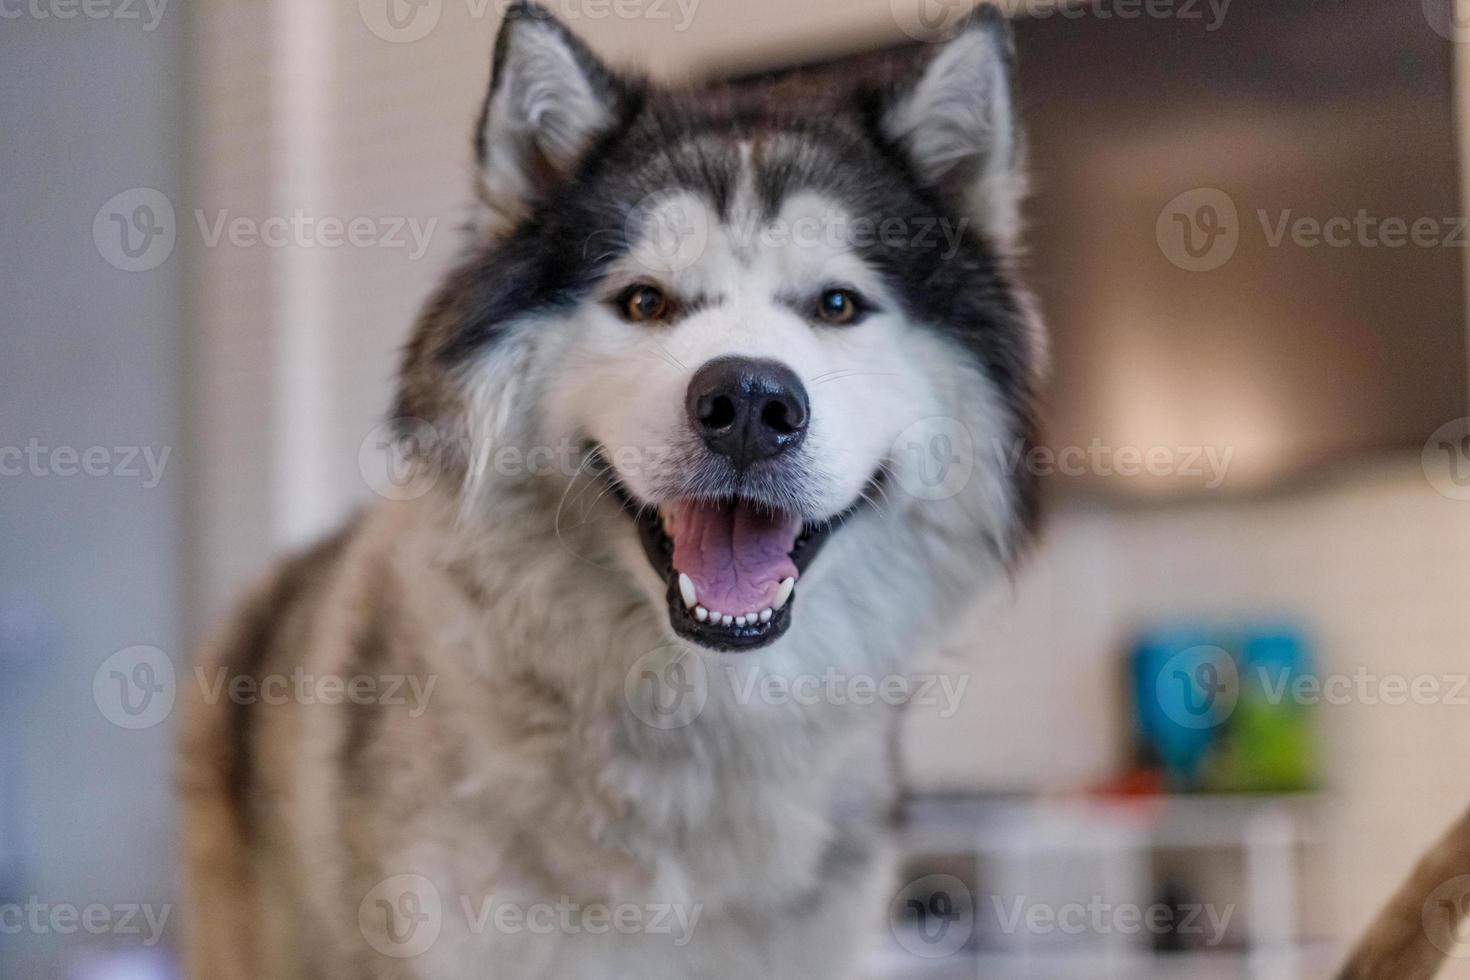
x=838, y=307
x=640, y=304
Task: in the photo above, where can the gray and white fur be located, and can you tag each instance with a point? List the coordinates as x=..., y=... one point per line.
x=562, y=744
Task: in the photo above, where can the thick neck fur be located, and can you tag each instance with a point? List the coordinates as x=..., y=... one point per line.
x=540, y=656
x=549, y=618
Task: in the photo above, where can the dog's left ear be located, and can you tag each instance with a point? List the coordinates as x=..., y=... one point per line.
x=955, y=119
x=551, y=99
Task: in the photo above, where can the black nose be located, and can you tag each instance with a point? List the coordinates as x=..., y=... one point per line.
x=748, y=410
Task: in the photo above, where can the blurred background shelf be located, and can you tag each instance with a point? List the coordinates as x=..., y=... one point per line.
x=1311, y=959
x=1203, y=886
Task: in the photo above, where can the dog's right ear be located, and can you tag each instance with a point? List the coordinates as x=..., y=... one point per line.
x=955, y=119
x=550, y=101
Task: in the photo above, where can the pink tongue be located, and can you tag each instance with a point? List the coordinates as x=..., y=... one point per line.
x=736, y=554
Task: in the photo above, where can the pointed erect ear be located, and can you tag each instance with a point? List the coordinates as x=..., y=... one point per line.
x=955, y=118
x=550, y=100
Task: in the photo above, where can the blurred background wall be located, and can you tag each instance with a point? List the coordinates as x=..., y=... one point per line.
x=92, y=357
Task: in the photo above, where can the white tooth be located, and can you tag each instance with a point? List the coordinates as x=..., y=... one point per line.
x=766, y=615
x=686, y=589
x=783, y=593
x=701, y=613
x=739, y=620
x=727, y=620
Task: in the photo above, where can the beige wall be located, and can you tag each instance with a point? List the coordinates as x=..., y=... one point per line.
x=1375, y=563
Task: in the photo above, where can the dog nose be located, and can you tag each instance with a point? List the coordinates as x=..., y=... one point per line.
x=748, y=410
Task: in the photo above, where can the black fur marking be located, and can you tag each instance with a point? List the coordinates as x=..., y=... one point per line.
x=818, y=131
x=263, y=627
x=370, y=655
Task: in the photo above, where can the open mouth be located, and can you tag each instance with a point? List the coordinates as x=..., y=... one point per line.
x=731, y=566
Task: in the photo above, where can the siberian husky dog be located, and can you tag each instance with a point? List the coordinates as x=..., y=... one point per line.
x=721, y=398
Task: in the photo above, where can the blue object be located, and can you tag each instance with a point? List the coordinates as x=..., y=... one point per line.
x=1216, y=707
x=1183, y=687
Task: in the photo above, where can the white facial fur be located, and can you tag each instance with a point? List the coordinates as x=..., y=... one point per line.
x=626, y=383
x=884, y=392
x=878, y=389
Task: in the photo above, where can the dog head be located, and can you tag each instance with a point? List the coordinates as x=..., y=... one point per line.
x=766, y=317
